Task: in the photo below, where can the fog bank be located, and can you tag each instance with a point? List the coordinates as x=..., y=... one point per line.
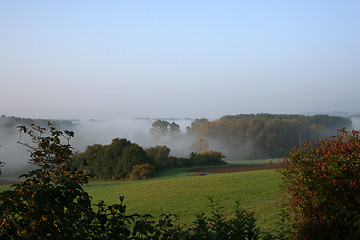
x=89, y=132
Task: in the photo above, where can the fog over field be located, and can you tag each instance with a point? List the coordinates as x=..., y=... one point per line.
x=356, y=123
x=135, y=130
x=89, y=132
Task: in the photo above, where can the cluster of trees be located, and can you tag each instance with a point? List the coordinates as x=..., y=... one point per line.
x=113, y=161
x=122, y=159
x=251, y=136
x=164, y=128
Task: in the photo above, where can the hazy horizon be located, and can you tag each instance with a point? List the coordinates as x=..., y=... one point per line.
x=133, y=59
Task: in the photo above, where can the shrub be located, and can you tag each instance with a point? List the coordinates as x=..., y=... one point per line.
x=50, y=203
x=324, y=185
x=217, y=226
x=142, y=171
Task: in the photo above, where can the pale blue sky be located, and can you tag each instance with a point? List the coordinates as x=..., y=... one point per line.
x=114, y=59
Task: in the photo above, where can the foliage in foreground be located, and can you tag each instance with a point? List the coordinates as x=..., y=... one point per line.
x=51, y=204
x=324, y=185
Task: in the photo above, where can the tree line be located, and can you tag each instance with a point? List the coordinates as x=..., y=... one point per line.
x=9, y=123
x=251, y=136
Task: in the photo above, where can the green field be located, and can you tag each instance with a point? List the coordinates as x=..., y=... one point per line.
x=177, y=191
x=180, y=193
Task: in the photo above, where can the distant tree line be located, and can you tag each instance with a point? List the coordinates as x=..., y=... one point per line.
x=9, y=123
x=125, y=160
x=161, y=158
x=251, y=136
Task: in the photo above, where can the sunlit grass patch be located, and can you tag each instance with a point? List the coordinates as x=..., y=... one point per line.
x=257, y=191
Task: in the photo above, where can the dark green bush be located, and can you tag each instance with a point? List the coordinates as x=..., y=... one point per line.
x=206, y=158
x=113, y=161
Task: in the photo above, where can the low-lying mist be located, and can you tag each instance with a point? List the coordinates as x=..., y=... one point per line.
x=135, y=130
x=14, y=155
x=355, y=123
x=89, y=132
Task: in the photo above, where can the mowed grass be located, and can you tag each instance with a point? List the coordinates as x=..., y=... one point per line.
x=184, y=195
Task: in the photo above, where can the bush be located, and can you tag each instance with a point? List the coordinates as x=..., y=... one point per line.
x=50, y=203
x=142, y=171
x=243, y=226
x=324, y=185
x=207, y=158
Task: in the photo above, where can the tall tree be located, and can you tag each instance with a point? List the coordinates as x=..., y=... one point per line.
x=174, y=128
x=200, y=146
x=160, y=128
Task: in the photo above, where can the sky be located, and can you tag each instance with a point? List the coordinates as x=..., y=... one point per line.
x=127, y=59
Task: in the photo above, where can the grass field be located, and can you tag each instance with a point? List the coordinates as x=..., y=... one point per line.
x=185, y=195
x=177, y=191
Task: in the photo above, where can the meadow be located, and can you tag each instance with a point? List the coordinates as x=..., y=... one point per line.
x=179, y=192
x=185, y=195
